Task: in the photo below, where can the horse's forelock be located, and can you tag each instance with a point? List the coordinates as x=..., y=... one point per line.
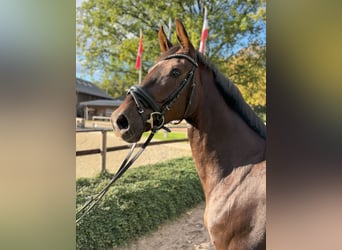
x=171, y=51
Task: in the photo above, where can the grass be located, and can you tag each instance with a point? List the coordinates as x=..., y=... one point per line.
x=137, y=203
x=162, y=135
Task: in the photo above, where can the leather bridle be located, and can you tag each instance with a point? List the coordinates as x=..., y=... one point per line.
x=143, y=99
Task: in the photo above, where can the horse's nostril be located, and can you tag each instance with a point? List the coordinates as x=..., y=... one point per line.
x=122, y=122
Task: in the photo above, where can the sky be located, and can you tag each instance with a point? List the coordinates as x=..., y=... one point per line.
x=78, y=2
x=80, y=71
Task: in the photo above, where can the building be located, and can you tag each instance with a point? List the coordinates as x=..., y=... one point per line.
x=92, y=101
x=99, y=109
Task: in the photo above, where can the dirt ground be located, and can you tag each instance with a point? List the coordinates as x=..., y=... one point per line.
x=90, y=165
x=184, y=233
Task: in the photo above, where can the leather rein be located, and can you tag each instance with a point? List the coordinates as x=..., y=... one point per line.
x=156, y=120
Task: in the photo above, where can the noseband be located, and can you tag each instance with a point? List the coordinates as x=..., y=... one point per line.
x=143, y=99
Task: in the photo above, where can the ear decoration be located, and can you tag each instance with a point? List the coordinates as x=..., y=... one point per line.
x=182, y=36
x=164, y=43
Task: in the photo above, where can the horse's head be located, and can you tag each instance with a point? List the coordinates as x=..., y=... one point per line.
x=165, y=93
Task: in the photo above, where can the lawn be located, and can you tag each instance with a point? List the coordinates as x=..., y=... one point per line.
x=162, y=135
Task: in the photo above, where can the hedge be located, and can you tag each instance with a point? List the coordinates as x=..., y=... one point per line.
x=137, y=203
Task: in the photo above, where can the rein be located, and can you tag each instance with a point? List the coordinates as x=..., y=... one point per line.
x=144, y=99
x=85, y=209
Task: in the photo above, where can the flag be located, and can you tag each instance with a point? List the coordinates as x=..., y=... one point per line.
x=140, y=52
x=204, y=32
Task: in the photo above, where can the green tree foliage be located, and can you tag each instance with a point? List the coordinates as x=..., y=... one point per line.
x=108, y=35
x=247, y=69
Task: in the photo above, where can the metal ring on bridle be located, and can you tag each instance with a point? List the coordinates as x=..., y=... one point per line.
x=156, y=120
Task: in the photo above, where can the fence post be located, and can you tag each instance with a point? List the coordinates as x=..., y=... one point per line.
x=103, y=150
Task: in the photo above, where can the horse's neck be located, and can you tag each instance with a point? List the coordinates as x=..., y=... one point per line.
x=220, y=140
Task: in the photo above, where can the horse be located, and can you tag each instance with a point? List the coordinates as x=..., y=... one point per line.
x=226, y=137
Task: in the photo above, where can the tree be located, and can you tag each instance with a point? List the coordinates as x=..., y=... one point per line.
x=247, y=69
x=108, y=33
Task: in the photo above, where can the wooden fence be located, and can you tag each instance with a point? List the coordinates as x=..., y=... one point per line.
x=104, y=149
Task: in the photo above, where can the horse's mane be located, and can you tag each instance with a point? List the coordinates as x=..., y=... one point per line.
x=231, y=95
x=234, y=99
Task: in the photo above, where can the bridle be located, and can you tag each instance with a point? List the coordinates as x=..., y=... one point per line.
x=143, y=99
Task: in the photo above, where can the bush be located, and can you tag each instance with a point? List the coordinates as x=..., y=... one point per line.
x=137, y=203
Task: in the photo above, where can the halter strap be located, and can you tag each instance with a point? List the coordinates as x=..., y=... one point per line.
x=182, y=56
x=140, y=94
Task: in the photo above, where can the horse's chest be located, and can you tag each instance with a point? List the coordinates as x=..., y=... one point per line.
x=238, y=207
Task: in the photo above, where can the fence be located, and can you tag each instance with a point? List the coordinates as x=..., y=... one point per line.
x=104, y=149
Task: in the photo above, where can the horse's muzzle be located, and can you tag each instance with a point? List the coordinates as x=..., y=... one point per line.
x=127, y=126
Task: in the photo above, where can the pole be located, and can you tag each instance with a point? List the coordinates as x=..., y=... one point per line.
x=170, y=26
x=140, y=69
x=103, y=150
x=204, y=34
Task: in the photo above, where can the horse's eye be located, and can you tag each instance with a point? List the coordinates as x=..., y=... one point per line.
x=175, y=73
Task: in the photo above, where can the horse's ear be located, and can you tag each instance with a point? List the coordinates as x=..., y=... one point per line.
x=182, y=36
x=164, y=43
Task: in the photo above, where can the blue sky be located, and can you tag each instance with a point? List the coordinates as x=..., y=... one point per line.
x=80, y=70
x=78, y=2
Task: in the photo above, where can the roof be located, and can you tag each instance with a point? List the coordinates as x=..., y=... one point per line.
x=110, y=103
x=86, y=87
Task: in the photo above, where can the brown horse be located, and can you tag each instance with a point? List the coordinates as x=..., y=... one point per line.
x=227, y=138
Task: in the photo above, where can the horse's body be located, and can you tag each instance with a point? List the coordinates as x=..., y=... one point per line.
x=227, y=142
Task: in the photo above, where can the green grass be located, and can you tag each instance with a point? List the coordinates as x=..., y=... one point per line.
x=137, y=203
x=161, y=135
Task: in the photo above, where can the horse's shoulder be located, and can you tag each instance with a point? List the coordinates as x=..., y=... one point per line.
x=238, y=204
